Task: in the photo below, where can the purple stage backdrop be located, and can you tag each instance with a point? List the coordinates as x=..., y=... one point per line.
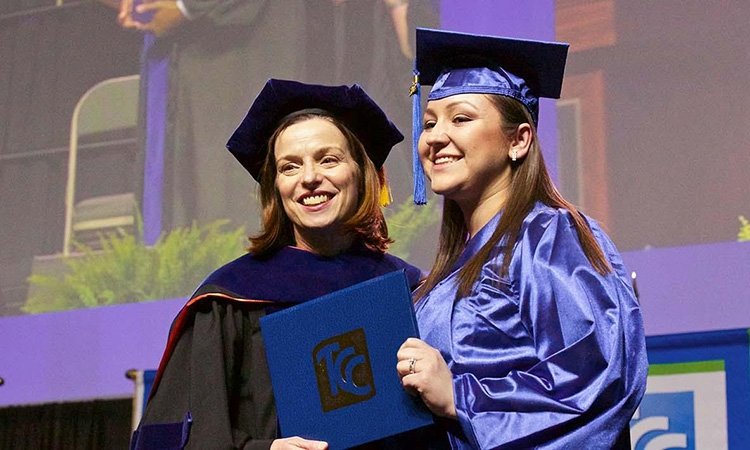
x=693, y=288
x=81, y=354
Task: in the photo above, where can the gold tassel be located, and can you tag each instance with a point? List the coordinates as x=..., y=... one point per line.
x=414, y=85
x=385, y=190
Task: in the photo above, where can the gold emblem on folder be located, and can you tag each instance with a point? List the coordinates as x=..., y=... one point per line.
x=343, y=371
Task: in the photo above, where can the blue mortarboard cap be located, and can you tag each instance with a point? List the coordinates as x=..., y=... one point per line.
x=279, y=98
x=460, y=63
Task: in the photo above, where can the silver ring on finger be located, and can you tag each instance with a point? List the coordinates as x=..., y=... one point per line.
x=412, y=363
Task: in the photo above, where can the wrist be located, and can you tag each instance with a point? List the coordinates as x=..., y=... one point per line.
x=393, y=4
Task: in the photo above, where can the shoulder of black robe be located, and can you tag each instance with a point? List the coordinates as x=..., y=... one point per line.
x=202, y=362
x=287, y=277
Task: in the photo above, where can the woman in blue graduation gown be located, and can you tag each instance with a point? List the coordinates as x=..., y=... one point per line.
x=532, y=336
x=317, y=152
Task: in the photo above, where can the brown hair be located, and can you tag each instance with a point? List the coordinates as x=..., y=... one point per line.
x=530, y=183
x=367, y=223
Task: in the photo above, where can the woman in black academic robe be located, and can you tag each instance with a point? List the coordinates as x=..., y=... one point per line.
x=317, y=152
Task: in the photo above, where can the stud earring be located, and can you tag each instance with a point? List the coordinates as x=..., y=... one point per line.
x=514, y=155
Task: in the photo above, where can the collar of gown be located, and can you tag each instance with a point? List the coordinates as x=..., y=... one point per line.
x=477, y=241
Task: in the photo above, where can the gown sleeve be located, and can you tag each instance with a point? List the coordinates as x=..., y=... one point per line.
x=577, y=368
x=218, y=373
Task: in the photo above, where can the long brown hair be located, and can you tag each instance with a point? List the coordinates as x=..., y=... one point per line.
x=367, y=223
x=530, y=183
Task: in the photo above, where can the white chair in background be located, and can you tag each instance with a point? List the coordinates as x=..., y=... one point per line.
x=108, y=106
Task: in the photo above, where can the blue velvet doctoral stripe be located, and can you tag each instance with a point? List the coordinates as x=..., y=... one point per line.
x=553, y=356
x=290, y=275
x=165, y=436
x=293, y=275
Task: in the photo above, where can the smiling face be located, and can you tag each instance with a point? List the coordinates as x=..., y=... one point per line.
x=463, y=149
x=317, y=178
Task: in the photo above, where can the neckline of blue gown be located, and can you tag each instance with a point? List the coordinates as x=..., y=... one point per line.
x=477, y=241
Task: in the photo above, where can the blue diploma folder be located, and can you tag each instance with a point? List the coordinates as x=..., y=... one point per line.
x=333, y=364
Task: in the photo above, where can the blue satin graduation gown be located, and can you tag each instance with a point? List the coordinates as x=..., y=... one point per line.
x=553, y=355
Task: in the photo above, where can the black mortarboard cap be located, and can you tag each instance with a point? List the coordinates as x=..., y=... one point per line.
x=279, y=98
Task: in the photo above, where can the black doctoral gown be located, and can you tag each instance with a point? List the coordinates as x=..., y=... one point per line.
x=214, y=368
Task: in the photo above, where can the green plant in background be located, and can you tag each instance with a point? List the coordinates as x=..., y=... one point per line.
x=407, y=222
x=127, y=271
x=744, y=233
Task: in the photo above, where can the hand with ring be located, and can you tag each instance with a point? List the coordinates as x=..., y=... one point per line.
x=424, y=372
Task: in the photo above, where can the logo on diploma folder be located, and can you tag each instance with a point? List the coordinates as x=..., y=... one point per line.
x=343, y=370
